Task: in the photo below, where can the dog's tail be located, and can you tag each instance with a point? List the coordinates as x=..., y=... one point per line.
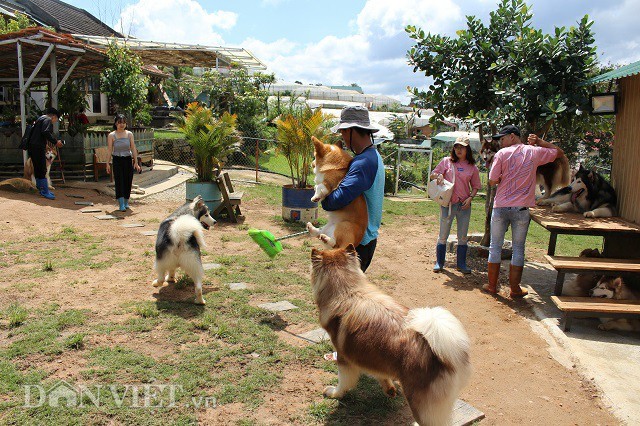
x=444, y=333
x=184, y=227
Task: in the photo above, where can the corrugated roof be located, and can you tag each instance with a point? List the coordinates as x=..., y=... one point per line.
x=625, y=71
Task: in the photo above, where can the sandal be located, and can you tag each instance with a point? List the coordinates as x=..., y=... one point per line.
x=331, y=356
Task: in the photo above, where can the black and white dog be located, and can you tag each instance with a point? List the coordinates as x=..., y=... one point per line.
x=180, y=238
x=588, y=193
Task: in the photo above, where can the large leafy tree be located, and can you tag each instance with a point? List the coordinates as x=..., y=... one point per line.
x=507, y=71
x=241, y=93
x=123, y=81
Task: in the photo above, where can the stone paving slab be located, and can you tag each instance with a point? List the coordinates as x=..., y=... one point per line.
x=237, y=286
x=316, y=336
x=105, y=217
x=91, y=211
x=149, y=233
x=283, y=305
x=133, y=225
x=465, y=414
x=83, y=203
x=75, y=196
x=208, y=266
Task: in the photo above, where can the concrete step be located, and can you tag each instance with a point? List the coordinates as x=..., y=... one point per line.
x=160, y=172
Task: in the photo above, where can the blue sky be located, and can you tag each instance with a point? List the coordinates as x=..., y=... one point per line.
x=348, y=41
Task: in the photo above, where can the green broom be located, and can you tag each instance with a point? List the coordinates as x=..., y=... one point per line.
x=268, y=243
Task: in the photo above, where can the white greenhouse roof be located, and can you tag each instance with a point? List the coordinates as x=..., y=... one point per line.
x=179, y=54
x=344, y=96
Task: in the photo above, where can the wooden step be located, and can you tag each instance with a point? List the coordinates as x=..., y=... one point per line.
x=593, y=264
x=594, y=307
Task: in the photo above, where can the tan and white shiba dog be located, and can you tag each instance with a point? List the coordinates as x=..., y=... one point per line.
x=425, y=349
x=615, y=288
x=345, y=226
x=50, y=155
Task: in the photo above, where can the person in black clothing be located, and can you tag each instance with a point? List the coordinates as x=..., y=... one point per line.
x=37, y=149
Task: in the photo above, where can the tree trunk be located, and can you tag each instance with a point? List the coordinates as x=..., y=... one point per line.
x=488, y=203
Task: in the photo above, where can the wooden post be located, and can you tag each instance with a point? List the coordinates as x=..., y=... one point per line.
x=23, y=111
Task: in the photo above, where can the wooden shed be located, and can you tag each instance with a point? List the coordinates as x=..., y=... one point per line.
x=625, y=170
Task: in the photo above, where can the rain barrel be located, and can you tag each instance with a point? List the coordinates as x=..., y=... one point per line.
x=297, y=205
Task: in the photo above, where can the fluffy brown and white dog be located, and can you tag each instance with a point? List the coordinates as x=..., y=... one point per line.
x=582, y=284
x=615, y=288
x=50, y=155
x=551, y=176
x=425, y=349
x=345, y=226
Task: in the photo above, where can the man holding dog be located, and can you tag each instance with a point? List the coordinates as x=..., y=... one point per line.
x=37, y=149
x=365, y=176
x=514, y=171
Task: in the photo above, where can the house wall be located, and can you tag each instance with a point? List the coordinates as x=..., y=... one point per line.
x=626, y=152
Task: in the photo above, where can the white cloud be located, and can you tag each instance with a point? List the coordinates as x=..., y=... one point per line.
x=616, y=30
x=374, y=56
x=178, y=21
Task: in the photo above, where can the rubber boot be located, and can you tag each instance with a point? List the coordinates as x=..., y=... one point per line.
x=515, y=276
x=126, y=204
x=494, y=273
x=461, y=259
x=441, y=250
x=121, y=204
x=43, y=187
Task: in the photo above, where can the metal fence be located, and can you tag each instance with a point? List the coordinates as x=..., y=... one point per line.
x=407, y=167
x=252, y=153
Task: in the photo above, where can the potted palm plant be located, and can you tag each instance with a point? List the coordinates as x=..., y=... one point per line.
x=212, y=139
x=294, y=131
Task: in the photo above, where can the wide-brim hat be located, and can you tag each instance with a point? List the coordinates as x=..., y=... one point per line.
x=354, y=116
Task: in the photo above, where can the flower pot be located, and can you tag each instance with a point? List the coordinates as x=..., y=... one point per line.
x=208, y=190
x=297, y=205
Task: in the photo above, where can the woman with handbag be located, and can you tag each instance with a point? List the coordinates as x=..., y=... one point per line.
x=460, y=169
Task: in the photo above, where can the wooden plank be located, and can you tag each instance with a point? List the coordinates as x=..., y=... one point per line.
x=568, y=222
x=568, y=264
x=599, y=305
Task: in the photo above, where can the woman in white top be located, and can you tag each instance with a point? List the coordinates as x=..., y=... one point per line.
x=122, y=150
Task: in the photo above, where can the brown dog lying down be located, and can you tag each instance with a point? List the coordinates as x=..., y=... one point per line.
x=425, y=349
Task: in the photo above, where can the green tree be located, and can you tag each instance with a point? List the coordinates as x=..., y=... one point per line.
x=123, y=81
x=182, y=86
x=506, y=72
x=240, y=93
x=10, y=25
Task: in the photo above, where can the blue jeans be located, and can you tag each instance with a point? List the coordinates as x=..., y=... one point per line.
x=446, y=220
x=519, y=219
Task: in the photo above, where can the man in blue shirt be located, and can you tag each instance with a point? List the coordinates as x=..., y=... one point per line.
x=365, y=176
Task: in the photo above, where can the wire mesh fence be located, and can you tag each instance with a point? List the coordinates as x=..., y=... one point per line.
x=406, y=171
x=252, y=153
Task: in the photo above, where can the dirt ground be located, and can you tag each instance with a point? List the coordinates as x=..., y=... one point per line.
x=515, y=379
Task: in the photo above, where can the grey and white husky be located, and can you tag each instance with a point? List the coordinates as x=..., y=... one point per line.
x=588, y=193
x=180, y=238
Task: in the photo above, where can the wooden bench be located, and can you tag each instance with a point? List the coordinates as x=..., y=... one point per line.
x=100, y=160
x=582, y=307
x=598, y=265
x=231, y=199
x=146, y=158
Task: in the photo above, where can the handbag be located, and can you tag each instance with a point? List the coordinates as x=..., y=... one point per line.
x=441, y=194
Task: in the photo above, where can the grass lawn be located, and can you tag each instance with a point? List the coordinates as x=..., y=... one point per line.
x=228, y=350
x=167, y=134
